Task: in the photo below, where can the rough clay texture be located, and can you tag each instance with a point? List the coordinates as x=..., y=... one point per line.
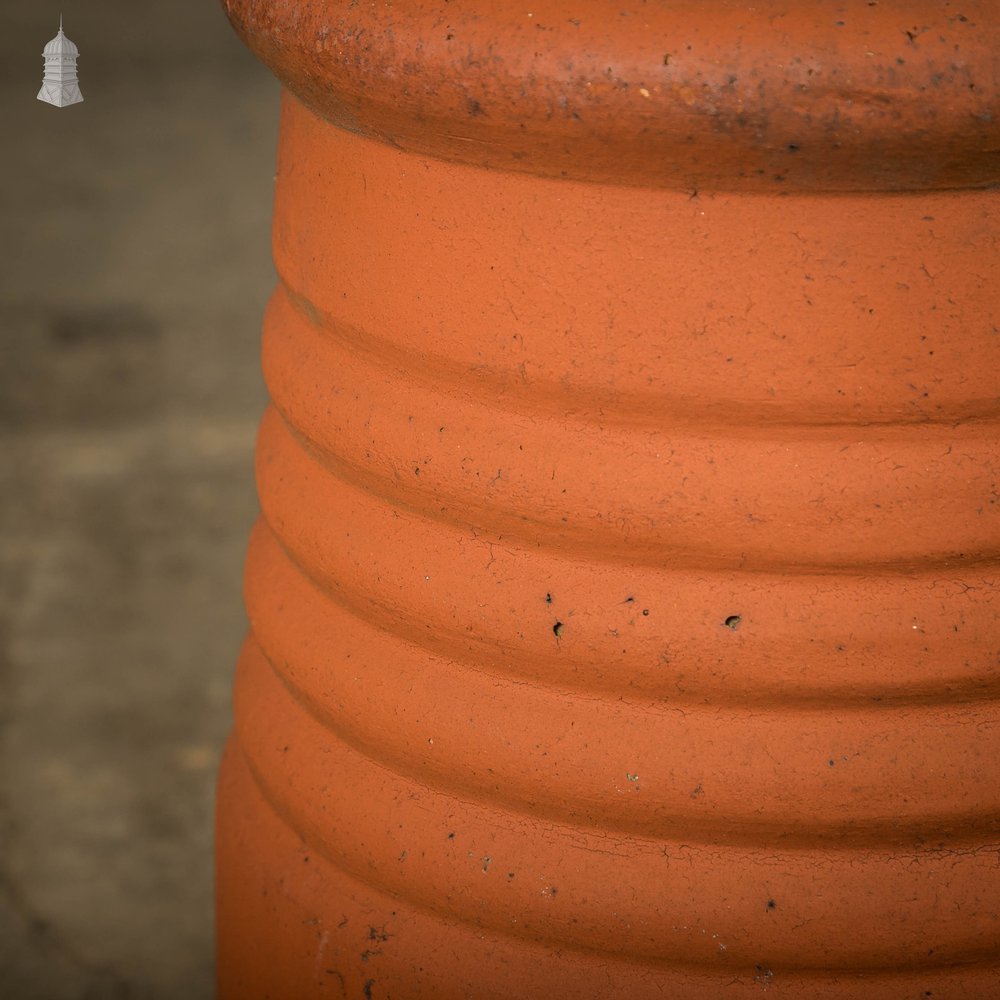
x=825, y=95
x=624, y=606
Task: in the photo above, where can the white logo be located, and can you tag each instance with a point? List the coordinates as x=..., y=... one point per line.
x=60, y=86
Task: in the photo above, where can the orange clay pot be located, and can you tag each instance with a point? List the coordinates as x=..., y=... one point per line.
x=625, y=602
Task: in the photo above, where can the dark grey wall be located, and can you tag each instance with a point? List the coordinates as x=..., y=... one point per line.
x=135, y=249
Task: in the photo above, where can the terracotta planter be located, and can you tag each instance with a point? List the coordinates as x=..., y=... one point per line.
x=625, y=605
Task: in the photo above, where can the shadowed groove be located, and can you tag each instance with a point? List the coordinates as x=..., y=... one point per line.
x=504, y=391
x=639, y=912
x=529, y=322
x=875, y=696
x=898, y=645
x=584, y=968
x=555, y=761
x=651, y=497
x=524, y=531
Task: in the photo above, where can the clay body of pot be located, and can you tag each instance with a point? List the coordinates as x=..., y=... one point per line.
x=624, y=606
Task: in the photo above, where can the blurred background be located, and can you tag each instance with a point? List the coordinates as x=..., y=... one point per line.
x=134, y=236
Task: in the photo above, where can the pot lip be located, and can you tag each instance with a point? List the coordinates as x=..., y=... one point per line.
x=836, y=95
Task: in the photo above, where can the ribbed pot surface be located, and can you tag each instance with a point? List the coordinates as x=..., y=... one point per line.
x=625, y=601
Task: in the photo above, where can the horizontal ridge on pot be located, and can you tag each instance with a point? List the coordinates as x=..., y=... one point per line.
x=587, y=887
x=379, y=926
x=611, y=759
x=730, y=636
x=652, y=494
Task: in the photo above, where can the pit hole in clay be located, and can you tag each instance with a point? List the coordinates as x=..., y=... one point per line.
x=557, y=629
x=733, y=622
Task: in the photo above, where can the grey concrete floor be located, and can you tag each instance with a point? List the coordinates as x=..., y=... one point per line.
x=134, y=235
